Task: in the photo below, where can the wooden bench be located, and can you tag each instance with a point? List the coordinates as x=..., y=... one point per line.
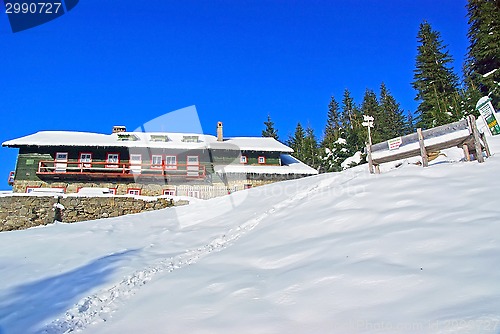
x=463, y=134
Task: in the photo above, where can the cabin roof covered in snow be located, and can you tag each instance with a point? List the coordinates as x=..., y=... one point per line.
x=147, y=139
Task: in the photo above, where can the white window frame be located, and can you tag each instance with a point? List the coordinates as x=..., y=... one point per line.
x=63, y=157
x=156, y=165
x=61, y=162
x=262, y=160
x=134, y=191
x=112, y=161
x=191, y=168
x=170, y=165
x=169, y=192
x=85, y=157
x=243, y=159
x=135, y=164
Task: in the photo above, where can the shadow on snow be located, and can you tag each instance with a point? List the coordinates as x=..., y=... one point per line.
x=26, y=307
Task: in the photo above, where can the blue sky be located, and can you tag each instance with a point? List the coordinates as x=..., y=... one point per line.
x=126, y=62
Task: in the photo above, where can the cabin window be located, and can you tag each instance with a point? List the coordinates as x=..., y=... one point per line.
x=262, y=160
x=193, y=166
x=156, y=161
x=61, y=162
x=192, y=160
x=127, y=137
x=112, y=158
x=133, y=191
x=159, y=138
x=170, y=162
x=135, y=159
x=190, y=139
x=135, y=163
x=30, y=189
x=243, y=159
x=112, y=191
x=169, y=192
x=86, y=157
x=62, y=156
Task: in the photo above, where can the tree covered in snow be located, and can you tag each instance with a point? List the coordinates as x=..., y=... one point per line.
x=333, y=155
x=435, y=81
x=332, y=146
x=482, y=68
x=352, y=118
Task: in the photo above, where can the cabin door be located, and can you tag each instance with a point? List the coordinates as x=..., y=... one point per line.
x=135, y=163
x=193, y=165
x=61, y=162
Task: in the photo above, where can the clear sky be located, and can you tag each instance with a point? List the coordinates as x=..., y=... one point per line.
x=125, y=62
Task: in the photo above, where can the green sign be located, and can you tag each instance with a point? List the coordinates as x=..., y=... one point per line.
x=488, y=112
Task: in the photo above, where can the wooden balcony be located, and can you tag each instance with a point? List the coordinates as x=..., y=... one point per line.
x=121, y=170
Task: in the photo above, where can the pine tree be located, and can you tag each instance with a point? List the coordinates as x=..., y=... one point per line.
x=393, y=116
x=483, y=57
x=410, y=124
x=351, y=119
x=310, y=147
x=296, y=142
x=332, y=128
x=270, y=131
x=370, y=107
x=434, y=80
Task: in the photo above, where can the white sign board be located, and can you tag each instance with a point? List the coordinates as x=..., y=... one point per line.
x=394, y=143
x=488, y=113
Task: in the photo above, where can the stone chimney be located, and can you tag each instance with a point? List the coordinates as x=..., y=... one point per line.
x=119, y=128
x=220, y=136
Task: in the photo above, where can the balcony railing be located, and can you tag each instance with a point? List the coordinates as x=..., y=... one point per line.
x=118, y=170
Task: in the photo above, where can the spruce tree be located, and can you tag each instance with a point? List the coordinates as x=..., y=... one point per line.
x=310, y=147
x=332, y=128
x=434, y=80
x=351, y=120
x=296, y=142
x=393, y=115
x=483, y=56
x=370, y=107
x=410, y=124
x=270, y=131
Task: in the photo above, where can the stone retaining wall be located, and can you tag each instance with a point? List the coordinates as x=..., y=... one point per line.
x=21, y=212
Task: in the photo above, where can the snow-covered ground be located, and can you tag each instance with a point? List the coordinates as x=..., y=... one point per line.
x=413, y=250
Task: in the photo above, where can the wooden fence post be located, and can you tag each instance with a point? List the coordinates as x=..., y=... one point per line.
x=423, y=151
x=486, y=146
x=466, y=152
x=369, y=156
x=477, y=143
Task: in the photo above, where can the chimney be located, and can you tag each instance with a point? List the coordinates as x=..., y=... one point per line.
x=220, y=136
x=119, y=128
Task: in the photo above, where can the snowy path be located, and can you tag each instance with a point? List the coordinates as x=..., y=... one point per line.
x=97, y=307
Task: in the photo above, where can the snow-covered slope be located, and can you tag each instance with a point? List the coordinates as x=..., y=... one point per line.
x=413, y=250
